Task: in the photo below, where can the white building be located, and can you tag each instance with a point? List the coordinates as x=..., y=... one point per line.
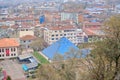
x=8, y=48
x=69, y=16
x=53, y=34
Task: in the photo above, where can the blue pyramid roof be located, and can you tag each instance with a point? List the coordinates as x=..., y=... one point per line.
x=61, y=46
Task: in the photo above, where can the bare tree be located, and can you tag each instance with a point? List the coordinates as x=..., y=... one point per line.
x=38, y=44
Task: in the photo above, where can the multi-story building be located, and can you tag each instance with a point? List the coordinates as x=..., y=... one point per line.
x=53, y=34
x=93, y=31
x=92, y=25
x=26, y=40
x=69, y=16
x=25, y=29
x=8, y=48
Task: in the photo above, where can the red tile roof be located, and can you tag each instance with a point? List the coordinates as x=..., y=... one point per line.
x=62, y=27
x=8, y=42
x=28, y=37
x=93, y=31
x=92, y=23
x=89, y=32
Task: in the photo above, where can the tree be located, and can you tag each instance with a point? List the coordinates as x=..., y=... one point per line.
x=104, y=60
x=99, y=66
x=112, y=43
x=0, y=69
x=38, y=44
x=58, y=57
x=61, y=69
x=47, y=72
x=9, y=78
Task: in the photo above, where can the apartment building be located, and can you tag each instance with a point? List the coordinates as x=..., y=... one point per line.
x=69, y=16
x=87, y=24
x=25, y=29
x=8, y=48
x=93, y=31
x=53, y=34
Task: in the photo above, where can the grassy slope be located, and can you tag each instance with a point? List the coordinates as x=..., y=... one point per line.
x=40, y=57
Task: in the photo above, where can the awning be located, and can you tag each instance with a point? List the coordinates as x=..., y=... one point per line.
x=24, y=66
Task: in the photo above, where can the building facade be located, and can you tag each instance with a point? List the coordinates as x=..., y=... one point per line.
x=53, y=34
x=23, y=31
x=69, y=16
x=8, y=48
x=26, y=40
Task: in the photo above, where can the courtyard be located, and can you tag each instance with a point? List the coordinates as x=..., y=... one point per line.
x=13, y=69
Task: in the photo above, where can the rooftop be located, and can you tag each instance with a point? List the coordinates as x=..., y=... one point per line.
x=93, y=31
x=61, y=46
x=62, y=27
x=8, y=42
x=93, y=23
x=25, y=56
x=28, y=37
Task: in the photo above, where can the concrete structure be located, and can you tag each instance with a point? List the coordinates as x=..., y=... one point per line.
x=25, y=29
x=69, y=16
x=53, y=34
x=26, y=40
x=8, y=48
x=93, y=31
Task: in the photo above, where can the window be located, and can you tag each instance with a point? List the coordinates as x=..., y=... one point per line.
x=29, y=40
x=56, y=38
x=0, y=55
x=3, y=55
x=11, y=54
x=55, y=31
x=22, y=29
x=0, y=50
x=26, y=29
x=60, y=34
x=52, y=35
x=52, y=38
x=24, y=41
x=64, y=34
x=56, y=34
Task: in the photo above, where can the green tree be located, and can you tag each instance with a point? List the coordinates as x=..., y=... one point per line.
x=9, y=78
x=0, y=69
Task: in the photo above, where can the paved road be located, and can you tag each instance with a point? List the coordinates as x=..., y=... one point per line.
x=13, y=69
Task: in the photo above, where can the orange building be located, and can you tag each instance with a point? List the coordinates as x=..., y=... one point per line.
x=8, y=48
